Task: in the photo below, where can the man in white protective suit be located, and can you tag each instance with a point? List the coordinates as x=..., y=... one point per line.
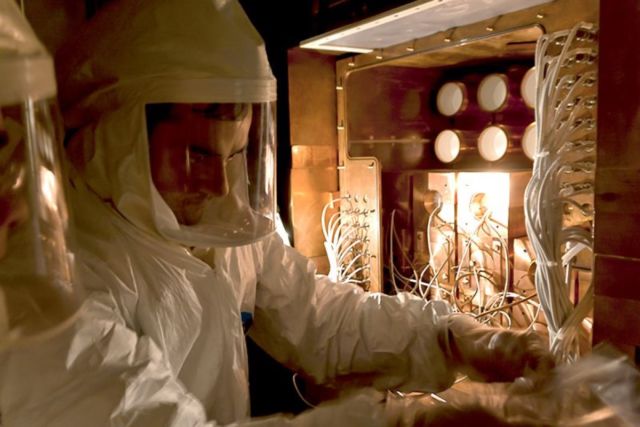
x=170, y=107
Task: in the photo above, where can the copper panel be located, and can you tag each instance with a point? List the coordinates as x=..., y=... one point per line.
x=617, y=277
x=312, y=108
x=390, y=104
x=617, y=203
x=622, y=317
x=400, y=132
x=310, y=156
x=312, y=98
x=306, y=213
x=618, y=106
x=360, y=179
x=617, y=219
x=310, y=180
x=392, y=116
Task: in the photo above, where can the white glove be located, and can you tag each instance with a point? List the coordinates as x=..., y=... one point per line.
x=492, y=354
x=423, y=412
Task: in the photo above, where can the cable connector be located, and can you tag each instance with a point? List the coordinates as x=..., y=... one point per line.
x=570, y=189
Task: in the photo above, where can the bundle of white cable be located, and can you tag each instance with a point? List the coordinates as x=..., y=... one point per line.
x=346, y=242
x=466, y=289
x=563, y=170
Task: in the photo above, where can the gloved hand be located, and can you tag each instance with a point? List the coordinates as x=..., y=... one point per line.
x=492, y=354
x=420, y=412
x=449, y=416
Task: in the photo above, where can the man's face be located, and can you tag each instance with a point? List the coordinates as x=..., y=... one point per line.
x=190, y=149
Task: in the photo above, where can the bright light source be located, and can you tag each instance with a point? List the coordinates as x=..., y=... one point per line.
x=494, y=200
x=412, y=21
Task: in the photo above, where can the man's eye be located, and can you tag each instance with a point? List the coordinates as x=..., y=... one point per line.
x=234, y=155
x=198, y=154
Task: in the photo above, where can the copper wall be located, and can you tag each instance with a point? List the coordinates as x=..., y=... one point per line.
x=617, y=203
x=314, y=177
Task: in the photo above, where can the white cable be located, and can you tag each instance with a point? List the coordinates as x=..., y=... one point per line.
x=345, y=236
x=295, y=386
x=566, y=131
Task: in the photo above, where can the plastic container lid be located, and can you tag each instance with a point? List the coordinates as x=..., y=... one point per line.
x=528, y=87
x=450, y=98
x=492, y=92
x=493, y=143
x=530, y=140
x=447, y=146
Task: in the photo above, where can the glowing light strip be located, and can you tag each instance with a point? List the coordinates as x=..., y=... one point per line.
x=321, y=42
x=412, y=21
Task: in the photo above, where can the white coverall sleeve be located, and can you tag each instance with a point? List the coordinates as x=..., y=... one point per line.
x=98, y=372
x=329, y=330
x=94, y=372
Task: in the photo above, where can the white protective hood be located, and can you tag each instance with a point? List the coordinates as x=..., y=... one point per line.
x=139, y=52
x=25, y=66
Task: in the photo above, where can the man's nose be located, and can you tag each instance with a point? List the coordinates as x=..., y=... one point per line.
x=215, y=182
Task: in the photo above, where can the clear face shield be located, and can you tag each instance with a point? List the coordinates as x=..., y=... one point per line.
x=214, y=166
x=36, y=292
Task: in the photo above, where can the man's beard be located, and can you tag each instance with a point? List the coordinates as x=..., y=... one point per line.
x=188, y=208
